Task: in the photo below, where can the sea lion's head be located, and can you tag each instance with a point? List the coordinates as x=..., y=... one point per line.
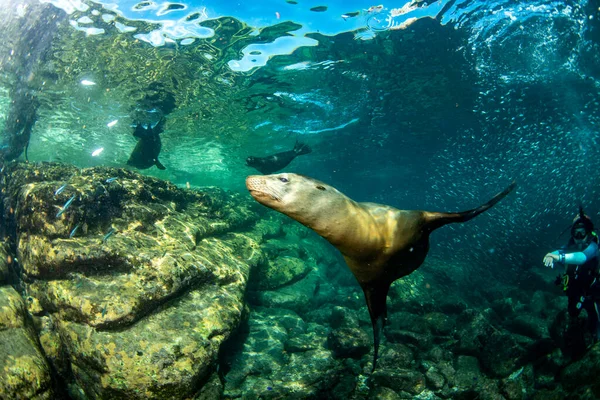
x=250, y=161
x=297, y=196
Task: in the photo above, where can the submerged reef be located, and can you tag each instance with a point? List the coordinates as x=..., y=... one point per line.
x=137, y=300
x=117, y=285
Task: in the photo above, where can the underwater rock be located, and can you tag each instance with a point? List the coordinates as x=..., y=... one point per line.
x=24, y=372
x=403, y=381
x=475, y=327
x=519, y=384
x=343, y=317
x=269, y=226
x=303, y=296
x=582, y=376
x=539, y=304
x=295, y=296
x=384, y=393
x=407, y=321
x=141, y=295
x=437, y=354
x=395, y=355
x=266, y=369
x=4, y=264
x=468, y=372
x=440, y=323
x=528, y=325
x=547, y=369
x=434, y=379
x=501, y=354
x=349, y=342
x=280, y=272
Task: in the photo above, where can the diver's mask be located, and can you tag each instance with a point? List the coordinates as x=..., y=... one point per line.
x=579, y=233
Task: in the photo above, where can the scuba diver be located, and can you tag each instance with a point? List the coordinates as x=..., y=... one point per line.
x=580, y=278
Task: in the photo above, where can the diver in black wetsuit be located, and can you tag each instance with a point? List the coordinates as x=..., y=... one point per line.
x=580, y=279
x=22, y=115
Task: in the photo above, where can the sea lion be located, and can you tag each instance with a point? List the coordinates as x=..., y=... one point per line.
x=276, y=162
x=145, y=154
x=379, y=243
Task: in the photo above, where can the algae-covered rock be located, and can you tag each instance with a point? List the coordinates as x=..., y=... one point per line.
x=349, y=342
x=137, y=282
x=282, y=357
x=400, y=380
x=4, y=264
x=24, y=372
x=280, y=272
x=394, y=355
x=301, y=296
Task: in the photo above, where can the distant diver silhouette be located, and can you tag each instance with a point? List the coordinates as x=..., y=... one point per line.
x=145, y=154
x=379, y=243
x=276, y=162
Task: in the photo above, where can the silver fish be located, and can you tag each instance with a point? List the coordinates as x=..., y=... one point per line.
x=66, y=206
x=60, y=190
x=109, y=234
x=109, y=180
x=74, y=230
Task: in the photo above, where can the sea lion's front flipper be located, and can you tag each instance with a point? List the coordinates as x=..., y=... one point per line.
x=159, y=165
x=376, y=296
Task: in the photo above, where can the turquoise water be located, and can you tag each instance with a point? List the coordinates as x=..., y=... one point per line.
x=465, y=98
x=432, y=105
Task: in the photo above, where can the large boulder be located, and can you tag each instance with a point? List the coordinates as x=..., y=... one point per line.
x=136, y=282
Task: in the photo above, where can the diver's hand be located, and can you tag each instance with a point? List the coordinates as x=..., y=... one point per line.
x=550, y=259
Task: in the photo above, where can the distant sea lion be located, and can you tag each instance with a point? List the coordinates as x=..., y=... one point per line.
x=379, y=243
x=145, y=154
x=275, y=162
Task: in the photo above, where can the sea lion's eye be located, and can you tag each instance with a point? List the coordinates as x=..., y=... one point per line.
x=321, y=187
x=283, y=180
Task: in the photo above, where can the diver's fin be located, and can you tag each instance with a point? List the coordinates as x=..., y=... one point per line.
x=159, y=164
x=376, y=296
x=434, y=220
x=301, y=148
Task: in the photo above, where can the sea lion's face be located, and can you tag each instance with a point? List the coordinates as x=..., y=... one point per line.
x=250, y=161
x=290, y=194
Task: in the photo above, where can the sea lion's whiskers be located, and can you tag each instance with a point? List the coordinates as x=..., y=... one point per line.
x=275, y=193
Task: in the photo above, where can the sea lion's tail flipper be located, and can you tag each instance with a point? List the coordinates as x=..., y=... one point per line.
x=376, y=297
x=159, y=165
x=435, y=220
x=301, y=148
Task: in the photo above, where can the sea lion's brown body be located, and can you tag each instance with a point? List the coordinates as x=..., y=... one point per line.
x=379, y=243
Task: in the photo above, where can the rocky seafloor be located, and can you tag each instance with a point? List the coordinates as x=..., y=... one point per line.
x=142, y=290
